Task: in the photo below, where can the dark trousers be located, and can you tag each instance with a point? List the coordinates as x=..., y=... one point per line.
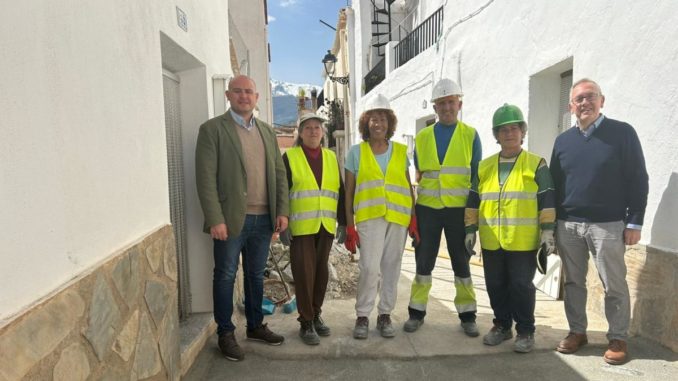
x=253, y=242
x=309, y=255
x=432, y=223
x=508, y=277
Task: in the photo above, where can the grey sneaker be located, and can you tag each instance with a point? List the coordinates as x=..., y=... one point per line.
x=470, y=328
x=385, y=326
x=497, y=335
x=413, y=324
x=361, y=327
x=524, y=343
x=320, y=327
x=308, y=334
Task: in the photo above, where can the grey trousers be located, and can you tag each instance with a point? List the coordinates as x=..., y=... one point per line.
x=381, y=254
x=605, y=241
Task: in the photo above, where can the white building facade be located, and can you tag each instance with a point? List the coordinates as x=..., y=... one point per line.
x=101, y=104
x=528, y=53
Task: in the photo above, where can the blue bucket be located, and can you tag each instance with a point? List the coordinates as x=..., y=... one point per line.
x=268, y=307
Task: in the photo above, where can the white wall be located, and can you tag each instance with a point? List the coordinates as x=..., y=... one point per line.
x=83, y=169
x=248, y=17
x=493, y=53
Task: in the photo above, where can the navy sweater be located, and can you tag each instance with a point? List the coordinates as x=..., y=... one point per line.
x=601, y=178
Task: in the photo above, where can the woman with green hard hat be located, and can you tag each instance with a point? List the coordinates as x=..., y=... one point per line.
x=512, y=206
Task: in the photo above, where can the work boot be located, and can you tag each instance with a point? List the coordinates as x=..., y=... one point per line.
x=497, y=335
x=384, y=325
x=308, y=334
x=413, y=324
x=572, y=342
x=320, y=328
x=361, y=327
x=470, y=328
x=262, y=333
x=616, y=352
x=524, y=343
x=229, y=347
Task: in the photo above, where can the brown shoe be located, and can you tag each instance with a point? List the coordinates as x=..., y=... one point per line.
x=616, y=352
x=262, y=333
x=572, y=342
x=229, y=347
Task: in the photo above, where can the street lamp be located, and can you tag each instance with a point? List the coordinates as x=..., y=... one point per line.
x=330, y=62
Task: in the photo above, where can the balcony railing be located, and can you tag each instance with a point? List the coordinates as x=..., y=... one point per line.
x=423, y=36
x=375, y=76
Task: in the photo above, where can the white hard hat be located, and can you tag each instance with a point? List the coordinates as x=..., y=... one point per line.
x=379, y=102
x=310, y=115
x=444, y=88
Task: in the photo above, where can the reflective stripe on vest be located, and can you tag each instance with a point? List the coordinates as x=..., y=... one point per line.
x=311, y=206
x=446, y=185
x=377, y=195
x=508, y=217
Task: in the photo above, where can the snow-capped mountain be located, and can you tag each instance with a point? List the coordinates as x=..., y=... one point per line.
x=285, y=100
x=281, y=88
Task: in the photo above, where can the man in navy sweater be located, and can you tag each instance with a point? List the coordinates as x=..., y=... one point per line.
x=601, y=185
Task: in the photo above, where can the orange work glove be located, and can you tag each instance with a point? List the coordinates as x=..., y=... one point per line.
x=413, y=229
x=352, y=239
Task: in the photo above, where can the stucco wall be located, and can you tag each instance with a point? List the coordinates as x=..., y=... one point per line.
x=494, y=51
x=248, y=17
x=83, y=156
x=118, y=322
x=514, y=51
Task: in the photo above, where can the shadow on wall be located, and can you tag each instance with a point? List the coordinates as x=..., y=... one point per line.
x=665, y=224
x=655, y=305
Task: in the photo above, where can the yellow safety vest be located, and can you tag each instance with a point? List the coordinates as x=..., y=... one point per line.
x=311, y=206
x=446, y=185
x=377, y=195
x=508, y=217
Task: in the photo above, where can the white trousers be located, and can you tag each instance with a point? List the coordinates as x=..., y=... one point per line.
x=381, y=254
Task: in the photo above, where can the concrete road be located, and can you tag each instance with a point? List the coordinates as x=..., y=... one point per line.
x=439, y=350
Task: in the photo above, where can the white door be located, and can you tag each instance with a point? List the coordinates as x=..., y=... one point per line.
x=551, y=282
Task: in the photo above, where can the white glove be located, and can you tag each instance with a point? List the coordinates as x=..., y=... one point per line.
x=548, y=242
x=286, y=237
x=470, y=243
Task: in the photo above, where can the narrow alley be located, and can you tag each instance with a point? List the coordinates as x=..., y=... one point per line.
x=439, y=350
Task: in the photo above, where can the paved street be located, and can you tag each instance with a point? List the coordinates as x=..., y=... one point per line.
x=439, y=350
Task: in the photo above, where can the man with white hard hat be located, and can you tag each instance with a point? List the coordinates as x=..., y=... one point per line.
x=446, y=157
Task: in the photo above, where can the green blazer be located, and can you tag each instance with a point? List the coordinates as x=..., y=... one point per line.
x=221, y=179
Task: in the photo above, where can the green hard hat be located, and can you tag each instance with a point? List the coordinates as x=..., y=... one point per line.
x=507, y=114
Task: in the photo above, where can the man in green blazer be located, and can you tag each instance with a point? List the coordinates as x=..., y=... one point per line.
x=242, y=186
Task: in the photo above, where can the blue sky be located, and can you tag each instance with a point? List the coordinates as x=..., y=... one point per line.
x=298, y=40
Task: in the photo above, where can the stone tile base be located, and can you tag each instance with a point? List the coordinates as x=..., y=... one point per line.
x=118, y=322
x=652, y=278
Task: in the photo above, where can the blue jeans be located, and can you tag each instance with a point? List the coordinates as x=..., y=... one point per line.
x=253, y=242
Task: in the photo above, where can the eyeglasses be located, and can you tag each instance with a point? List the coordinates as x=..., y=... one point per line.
x=585, y=97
